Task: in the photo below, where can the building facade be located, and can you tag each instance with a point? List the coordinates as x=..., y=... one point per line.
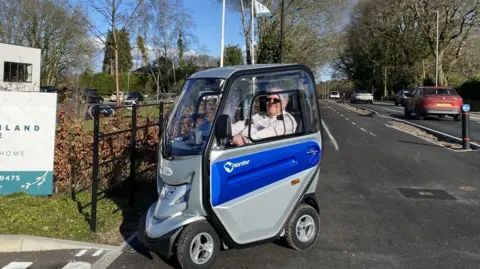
x=19, y=68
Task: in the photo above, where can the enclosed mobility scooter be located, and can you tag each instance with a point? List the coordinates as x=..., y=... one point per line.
x=238, y=164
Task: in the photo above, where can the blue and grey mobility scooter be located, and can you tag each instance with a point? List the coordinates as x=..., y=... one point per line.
x=238, y=164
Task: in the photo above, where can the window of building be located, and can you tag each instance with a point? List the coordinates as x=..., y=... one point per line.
x=17, y=72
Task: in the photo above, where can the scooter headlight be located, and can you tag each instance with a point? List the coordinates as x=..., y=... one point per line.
x=175, y=194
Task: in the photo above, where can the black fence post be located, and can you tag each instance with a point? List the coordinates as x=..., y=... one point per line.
x=133, y=158
x=95, y=168
x=160, y=122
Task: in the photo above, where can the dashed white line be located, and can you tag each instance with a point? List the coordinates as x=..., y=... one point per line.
x=334, y=142
x=77, y=265
x=18, y=265
x=98, y=252
x=331, y=137
x=81, y=253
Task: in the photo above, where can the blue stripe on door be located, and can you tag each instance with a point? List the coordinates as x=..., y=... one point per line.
x=238, y=176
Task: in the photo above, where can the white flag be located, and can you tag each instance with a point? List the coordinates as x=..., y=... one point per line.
x=261, y=10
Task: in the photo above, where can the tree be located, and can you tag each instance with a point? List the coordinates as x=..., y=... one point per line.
x=457, y=19
x=233, y=55
x=116, y=17
x=124, y=52
x=383, y=46
x=310, y=26
x=160, y=23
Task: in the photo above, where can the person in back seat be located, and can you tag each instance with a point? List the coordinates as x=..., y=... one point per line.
x=275, y=121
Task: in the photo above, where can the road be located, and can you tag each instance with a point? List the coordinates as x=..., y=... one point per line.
x=366, y=221
x=446, y=125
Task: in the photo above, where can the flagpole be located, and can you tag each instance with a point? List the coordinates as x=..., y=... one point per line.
x=223, y=35
x=281, y=31
x=252, y=50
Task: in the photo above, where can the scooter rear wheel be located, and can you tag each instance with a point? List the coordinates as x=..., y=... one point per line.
x=198, y=246
x=303, y=228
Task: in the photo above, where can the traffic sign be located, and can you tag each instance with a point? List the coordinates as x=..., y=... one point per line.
x=466, y=108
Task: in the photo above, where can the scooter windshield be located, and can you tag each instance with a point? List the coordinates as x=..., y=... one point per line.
x=190, y=122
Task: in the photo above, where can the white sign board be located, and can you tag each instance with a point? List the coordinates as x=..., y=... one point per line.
x=27, y=142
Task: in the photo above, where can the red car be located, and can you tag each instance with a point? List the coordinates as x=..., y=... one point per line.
x=440, y=101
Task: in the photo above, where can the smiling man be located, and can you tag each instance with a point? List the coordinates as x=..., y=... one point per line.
x=276, y=121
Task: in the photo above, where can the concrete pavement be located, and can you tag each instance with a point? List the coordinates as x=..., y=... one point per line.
x=367, y=221
x=446, y=125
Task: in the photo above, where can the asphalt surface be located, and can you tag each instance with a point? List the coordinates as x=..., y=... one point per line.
x=366, y=221
x=55, y=259
x=446, y=125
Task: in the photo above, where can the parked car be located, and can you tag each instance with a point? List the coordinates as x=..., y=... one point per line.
x=400, y=97
x=361, y=96
x=90, y=95
x=439, y=101
x=113, y=97
x=48, y=89
x=334, y=95
x=105, y=111
x=137, y=96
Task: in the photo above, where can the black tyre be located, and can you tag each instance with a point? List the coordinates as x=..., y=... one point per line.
x=406, y=113
x=303, y=228
x=419, y=115
x=396, y=104
x=198, y=246
x=456, y=117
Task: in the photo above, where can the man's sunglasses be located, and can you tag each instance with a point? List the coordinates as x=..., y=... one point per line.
x=274, y=100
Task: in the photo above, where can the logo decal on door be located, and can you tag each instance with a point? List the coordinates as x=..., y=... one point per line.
x=228, y=166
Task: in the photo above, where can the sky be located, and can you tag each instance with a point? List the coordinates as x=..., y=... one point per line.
x=207, y=17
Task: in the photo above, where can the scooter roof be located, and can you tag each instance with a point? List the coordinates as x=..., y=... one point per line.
x=227, y=71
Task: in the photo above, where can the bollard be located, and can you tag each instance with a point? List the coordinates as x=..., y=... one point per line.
x=465, y=126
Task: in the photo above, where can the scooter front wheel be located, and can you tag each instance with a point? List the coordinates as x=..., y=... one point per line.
x=303, y=228
x=198, y=246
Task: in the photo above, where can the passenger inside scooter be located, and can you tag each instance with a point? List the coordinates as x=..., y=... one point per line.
x=275, y=120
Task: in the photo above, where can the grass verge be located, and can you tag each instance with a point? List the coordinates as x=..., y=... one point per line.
x=60, y=217
x=56, y=216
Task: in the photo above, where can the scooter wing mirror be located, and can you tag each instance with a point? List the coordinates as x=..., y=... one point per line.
x=223, y=127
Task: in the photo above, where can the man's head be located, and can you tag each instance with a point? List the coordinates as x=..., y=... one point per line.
x=276, y=102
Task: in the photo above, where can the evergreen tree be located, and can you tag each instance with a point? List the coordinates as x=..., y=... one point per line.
x=233, y=55
x=125, y=59
x=181, y=50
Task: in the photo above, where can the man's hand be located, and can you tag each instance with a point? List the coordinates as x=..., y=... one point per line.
x=239, y=140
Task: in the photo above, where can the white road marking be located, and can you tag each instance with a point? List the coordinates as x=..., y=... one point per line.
x=373, y=134
x=334, y=142
x=81, y=253
x=77, y=265
x=353, y=123
x=98, y=252
x=363, y=129
x=347, y=118
x=111, y=256
x=18, y=265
